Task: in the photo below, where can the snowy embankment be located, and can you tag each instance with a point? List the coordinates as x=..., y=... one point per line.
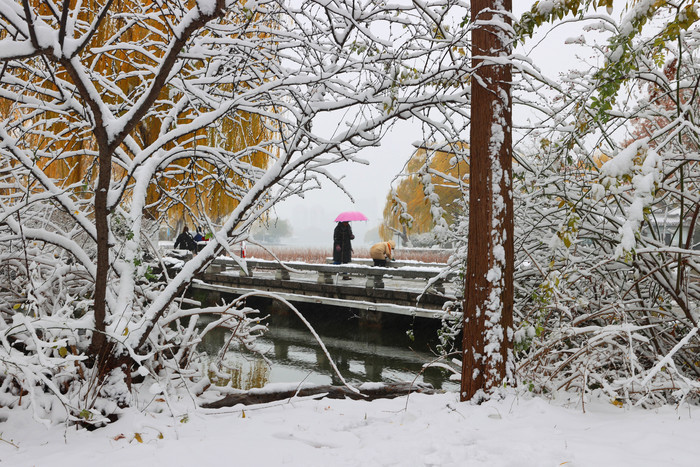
x=428, y=430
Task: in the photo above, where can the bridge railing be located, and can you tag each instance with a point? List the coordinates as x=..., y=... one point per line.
x=393, y=263
x=328, y=273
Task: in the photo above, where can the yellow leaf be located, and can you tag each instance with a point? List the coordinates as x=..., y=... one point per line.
x=137, y=437
x=63, y=352
x=242, y=413
x=617, y=402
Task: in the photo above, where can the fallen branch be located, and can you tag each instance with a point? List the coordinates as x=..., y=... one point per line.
x=367, y=392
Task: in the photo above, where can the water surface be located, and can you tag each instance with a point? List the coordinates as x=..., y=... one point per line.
x=362, y=353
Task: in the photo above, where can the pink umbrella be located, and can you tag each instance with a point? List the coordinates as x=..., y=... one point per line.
x=350, y=216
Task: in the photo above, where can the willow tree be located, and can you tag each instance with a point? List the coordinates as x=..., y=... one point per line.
x=137, y=101
x=428, y=196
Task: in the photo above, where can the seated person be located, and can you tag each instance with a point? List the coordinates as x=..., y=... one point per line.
x=184, y=241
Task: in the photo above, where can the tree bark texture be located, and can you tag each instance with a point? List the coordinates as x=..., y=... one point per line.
x=99, y=338
x=488, y=304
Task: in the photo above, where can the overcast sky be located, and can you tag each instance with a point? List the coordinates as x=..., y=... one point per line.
x=312, y=217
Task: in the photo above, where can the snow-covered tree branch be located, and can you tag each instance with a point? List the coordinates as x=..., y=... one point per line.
x=119, y=116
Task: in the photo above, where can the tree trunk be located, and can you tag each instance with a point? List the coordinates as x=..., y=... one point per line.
x=488, y=304
x=99, y=348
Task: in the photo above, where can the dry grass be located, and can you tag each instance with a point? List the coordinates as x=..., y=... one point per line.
x=423, y=255
x=319, y=255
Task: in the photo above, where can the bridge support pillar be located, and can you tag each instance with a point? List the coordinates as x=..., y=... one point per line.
x=206, y=297
x=281, y=350
x=325, y=278
x=215, y=269
x=375, y=281
x=282, y=275
x=370, y=317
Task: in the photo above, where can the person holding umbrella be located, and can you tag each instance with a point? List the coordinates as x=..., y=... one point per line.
x=342, y=246
x=342, y=236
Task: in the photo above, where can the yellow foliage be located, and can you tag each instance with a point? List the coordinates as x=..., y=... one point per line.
x=72, y=144
x=411, y=192
x=600, y=158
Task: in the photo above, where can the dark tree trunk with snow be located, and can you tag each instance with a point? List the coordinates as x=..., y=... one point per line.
x=98, y=345
x=488, y=304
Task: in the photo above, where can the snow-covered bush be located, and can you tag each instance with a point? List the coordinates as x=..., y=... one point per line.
x=607, y=277
x=617, y=304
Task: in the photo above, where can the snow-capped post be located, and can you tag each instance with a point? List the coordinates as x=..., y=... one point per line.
x=487, y=361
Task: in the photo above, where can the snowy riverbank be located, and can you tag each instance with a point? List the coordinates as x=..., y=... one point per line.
x=428, y=430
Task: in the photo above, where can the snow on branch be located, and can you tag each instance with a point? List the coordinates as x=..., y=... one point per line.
x=121, y=118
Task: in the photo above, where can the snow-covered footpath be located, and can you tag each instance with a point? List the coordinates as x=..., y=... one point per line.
x=428, y=430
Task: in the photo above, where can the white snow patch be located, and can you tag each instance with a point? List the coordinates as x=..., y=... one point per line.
x=416, y=431
x=207, y=7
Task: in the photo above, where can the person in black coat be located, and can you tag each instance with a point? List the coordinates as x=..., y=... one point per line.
x=342, y=248
x=184, y=241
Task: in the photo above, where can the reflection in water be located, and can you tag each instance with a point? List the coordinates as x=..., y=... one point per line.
x=361, y=354
x=237, y=368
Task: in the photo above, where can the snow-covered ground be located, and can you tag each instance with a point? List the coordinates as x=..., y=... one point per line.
x=424, y=430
